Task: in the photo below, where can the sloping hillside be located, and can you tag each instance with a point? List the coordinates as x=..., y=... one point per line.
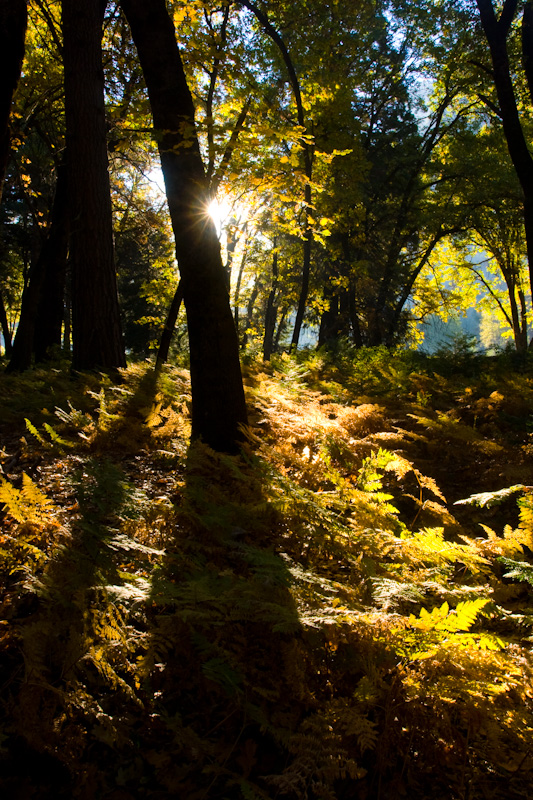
x=316, y=618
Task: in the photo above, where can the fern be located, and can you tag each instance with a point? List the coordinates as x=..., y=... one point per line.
x=55, y=441
x=489, y=499
x=27, y=504
x=518, y=570
x=55, y=438
x=35, y=433
x=442, y=627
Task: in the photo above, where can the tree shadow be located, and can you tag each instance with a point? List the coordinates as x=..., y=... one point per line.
x=151, y=672
x=224, y=655
x=61, y=640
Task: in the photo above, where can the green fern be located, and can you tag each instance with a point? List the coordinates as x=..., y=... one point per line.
x=55, y=441
x=489, y=499
x=35, y=433
x=518, y=570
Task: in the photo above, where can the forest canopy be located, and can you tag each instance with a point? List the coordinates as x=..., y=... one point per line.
x=368, y=166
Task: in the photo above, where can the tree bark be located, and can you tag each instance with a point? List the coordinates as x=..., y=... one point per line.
x=51, y=259
x=496, y=31
x=281, y=328
x=51, y=308
x=168, y=330
x=4, y=325
x=13, y=22
x=96, y=328
x=271, y=310
x=249, y=313
x=218, y=404
x=236, y=298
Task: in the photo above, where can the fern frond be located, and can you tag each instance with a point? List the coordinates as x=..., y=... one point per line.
x=489, y=499
x=519, y=570
x=28, y=504
x=55, y=438
x=35, y=433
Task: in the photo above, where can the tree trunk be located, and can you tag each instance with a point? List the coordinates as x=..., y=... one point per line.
x=306, y=269
x=4, y=325
x=357, y=334
x=271, y=310
x=280, y=330
x=262, y=16
x=496, y=31
x=51, y=259
x=238, y=284
x=218, y=404
x=67, y=319
x=96, y=328
x=51, y=310
x=13, y=21
x=249, y=313
x=523, y=318
x=168, y=330
x=329, y=322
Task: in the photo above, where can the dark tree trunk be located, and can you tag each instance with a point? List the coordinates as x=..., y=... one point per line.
x=168, y=330
x=249, y=313
x=523, y=320
x=304, y=288
x=51, y=259
x=271, y=310
x=4, y=325
x=281, y=328
x=336, y=320
x=329, y=322
x=355, y=324
x=496, y=32
x=262, y=16
x=516, y=320
x=218, y=403
x=236, y=299
x=51, y=309
x=96, y=329
x=67, y=319
x=13, y=21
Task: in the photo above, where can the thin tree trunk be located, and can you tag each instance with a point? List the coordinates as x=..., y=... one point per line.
x=53, y=251
x=496, y=32
x=218, y=404
x=271, y=310
x=67, y=319
x=249, y=313
x=96, y=328
x=357, y=334
x=51, y=309
x=4, y=324
x=308, y=165
x=168, y=330
x=515, y=317
x=306, y=270
x=13, y=21
x=281, y=328
x=329, y=322
x=523, y=319
x=236, y=297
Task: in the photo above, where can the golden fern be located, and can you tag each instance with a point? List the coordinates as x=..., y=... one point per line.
x=27, y=504
x=442, y=627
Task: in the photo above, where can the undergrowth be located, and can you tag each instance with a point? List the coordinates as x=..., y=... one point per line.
x=317, y=618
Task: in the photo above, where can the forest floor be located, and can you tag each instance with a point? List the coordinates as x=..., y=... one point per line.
x=316, y=618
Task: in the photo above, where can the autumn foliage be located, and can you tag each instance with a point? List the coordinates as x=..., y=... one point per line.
x=315, y=618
